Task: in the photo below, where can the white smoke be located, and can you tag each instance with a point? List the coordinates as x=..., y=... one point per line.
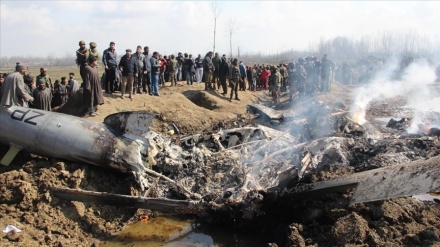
x=414, y=86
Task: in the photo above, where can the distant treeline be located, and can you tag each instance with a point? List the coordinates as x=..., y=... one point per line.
x=340, y=49
x=345, y=50
x=33, y=61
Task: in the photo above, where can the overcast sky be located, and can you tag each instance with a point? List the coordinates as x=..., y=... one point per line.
x=40, y=28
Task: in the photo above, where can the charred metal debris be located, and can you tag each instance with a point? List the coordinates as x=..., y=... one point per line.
x=235, y=169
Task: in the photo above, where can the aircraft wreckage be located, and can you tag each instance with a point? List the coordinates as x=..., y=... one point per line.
x=231, y=168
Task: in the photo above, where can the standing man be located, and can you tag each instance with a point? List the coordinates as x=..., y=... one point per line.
x=92, y=90
x=129, y=68
x=109, y=59
x=180, y=61
x=199, y=68
x=234, y=76
x=292, y=79
x=317, y=74
x=72, y=85
x=155, y=69
x=264, y=77
x=81, y=58
x=60, y=95
x=13, y=89
x=139, y=56
x=326, y=69
x=301, y=77
x=243, y=76
x=250, y=78
x=189, y=69
x=215, y=76
x=173, y=68
x=163, y=68
x=275, y=84
x=208, y=68
x=147, y=71
x=223, y=73
x=44, y=76
x=284, y=77
x=29, y=86
x=93, y=52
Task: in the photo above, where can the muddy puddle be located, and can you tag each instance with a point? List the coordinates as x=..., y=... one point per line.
x=173, y=232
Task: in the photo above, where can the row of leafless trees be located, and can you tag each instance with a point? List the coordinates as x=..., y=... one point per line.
x=343, y=49
x=383, y=45
x=34, y=61
x=340, y=49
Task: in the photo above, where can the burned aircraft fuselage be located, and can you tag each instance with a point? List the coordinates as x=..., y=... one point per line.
x=68, y=137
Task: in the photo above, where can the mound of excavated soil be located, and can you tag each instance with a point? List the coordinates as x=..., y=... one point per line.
x=26, y=202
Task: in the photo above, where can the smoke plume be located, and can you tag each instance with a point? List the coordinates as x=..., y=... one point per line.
x=414, y=84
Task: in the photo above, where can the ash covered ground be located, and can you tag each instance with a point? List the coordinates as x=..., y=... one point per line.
x=27, y=203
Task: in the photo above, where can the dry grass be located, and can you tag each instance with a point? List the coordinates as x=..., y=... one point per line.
x=55, y=72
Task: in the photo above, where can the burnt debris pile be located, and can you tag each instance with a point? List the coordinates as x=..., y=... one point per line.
x=236, y=168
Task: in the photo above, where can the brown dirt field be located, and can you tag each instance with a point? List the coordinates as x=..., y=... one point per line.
x=190, y=107
x=47, y=221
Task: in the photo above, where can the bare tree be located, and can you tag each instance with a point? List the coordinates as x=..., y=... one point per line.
x=216, y=9
x=232, y=27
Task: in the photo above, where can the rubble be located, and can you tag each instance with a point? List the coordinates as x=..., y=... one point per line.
x=237, y=167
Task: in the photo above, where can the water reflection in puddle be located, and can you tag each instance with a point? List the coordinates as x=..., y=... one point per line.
x=173, y=232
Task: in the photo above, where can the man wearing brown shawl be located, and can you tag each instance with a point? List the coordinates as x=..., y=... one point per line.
x=92, y=90
x=42, y=96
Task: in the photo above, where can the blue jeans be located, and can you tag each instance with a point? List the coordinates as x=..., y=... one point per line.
x=251, y=84
x=146, y=86
x=179, y=73
x=154, y=81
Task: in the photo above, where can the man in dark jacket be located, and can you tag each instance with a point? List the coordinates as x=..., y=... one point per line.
x=189, y=69
x=180, y=60
x=109, y=59
x=138, y=80
x=129, y=68
x=215, y=76
x=208, y=68
x=146, y=84
x=223, y=73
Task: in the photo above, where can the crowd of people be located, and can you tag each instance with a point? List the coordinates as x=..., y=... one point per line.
x=19, y=88
x=143, y=72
